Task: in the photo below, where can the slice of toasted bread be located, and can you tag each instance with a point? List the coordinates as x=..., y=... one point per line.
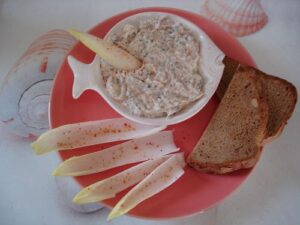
x=281, y=96
x=233, y=138
x=242, y=164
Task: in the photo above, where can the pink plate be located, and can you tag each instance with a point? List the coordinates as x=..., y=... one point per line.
x=192, y=193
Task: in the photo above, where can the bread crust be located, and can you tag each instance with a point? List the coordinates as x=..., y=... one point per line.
x=226, y=167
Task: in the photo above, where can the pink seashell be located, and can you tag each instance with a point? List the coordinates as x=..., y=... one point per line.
x=238, y=17
x=25, y=90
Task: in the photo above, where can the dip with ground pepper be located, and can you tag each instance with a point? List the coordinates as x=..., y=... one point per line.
x=170, y=77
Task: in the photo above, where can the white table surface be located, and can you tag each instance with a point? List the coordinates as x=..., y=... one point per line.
x=271, y=195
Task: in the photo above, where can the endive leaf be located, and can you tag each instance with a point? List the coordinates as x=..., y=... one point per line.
x=137, y=150
x=159, y=179
x=91, y=133
x=112, y=54
x=109, y=187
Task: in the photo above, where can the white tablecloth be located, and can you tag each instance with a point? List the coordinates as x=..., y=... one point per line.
x=271, y=195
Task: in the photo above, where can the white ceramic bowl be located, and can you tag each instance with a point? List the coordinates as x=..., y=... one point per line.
x=211, y=69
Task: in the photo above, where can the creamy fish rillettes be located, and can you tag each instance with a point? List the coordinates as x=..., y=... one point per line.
x=170, y=77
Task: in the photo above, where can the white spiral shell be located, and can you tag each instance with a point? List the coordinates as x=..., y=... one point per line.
x=238, y=17
x=24, y=92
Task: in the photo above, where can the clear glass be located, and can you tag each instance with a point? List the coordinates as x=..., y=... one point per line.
x=68, y=188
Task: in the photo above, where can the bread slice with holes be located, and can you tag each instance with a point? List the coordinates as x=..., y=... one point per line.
x=233, y=137
x=280, y=95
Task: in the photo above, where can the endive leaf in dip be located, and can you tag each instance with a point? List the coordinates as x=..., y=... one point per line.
x=108, y=51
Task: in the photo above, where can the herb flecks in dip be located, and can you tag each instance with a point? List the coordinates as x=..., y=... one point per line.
x=169, y=79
